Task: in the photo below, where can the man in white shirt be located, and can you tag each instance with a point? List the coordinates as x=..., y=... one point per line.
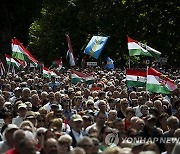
x=76, y=123
x=51, y=98
x=22, y=109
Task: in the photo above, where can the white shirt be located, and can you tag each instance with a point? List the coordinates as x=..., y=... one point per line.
x=77, y=135
x=47, y=107
x=137, y=111
x=18, y=121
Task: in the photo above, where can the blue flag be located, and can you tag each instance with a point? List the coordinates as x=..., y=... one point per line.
x=95, y=46
x=110, y=64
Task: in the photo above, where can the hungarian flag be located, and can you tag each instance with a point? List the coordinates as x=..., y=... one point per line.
x=135, y=78
x=2, y=68
x=159, y=83
x=20, y=52
x=46, y=72
x=136, y=48
x=59, y=63
x=81, y=77
x=70, y=54
x=12, y=61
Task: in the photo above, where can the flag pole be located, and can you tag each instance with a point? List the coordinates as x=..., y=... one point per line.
x=129, y=63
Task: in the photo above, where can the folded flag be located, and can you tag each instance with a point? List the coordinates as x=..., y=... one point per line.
x=159, y=83
x=70, y=53
x=20, y=52
x=135, y=78
x=137, y=48
x=110, y=64
x=95, y=46
x=81, y=77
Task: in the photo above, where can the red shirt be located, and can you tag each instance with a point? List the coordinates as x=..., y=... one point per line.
x=12, y=151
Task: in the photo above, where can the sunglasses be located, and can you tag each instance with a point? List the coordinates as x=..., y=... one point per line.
x=41, y=120
x=40, y=134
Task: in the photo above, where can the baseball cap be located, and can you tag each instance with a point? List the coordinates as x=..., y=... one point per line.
x=76, y=117
x=22, y=105
x=17, y=88
x=30, y=114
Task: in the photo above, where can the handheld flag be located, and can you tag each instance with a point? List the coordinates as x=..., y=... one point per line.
x=110, y=64
x=135, y=78
x=59, y=64
x=20, y=52
x=2, y=69
x=12, y=61
x=137, y=48
x=95, y=46
x=159, y=83
x=46, y=72
x=70, y=53
x=81, y=77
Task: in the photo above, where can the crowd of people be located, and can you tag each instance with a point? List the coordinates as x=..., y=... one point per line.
x=53, y=116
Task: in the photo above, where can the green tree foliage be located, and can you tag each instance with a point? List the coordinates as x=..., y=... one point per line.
x=154, y=22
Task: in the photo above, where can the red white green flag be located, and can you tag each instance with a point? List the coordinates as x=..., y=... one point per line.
x=159, y=83
x=136, y=48
x=20, y=52
x=135, y=78
x=81, y=77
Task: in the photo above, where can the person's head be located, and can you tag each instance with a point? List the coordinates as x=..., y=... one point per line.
x=78, y=150
x=87, y=121
x=35, y=100
x=177, y=133
x=40, y=121
x=141, y=100
x=90, y=104
x=56, y=123
x=7, y=117
x=132, y=95
x=173, y=122
x=144, y=110
x=57, y=97
x=101, y=118
x=163, y=118
x=29, y=105
x=26, y=92
x=112, y=115
x=116, y=94
x=102, y=106
x=149, y=103
x=133, y=121
x=39, y=134
x=27, y=125
x=86, y=143
x=31, y=116
x=119, y=124
x=44, y=95
x=150, y=121
x=8, y=134
x=139, y=124
x=2, y=101
x=124, y=103
x=66, y=102
x=93, y=132
x=151, y=147
x=104, y=132
x=158, y=104
x=130, y=113
x=51, y=97
x=76, y=122
x=22, y=109
x=18, y=135
x=27, y=146
x=64, y=143
x=51, y=146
